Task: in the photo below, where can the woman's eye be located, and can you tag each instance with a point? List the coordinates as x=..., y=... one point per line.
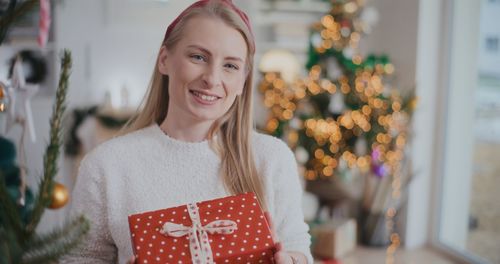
x=232, y=66
x=198, y=57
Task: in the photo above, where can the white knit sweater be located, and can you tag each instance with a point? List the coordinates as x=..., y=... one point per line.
x=147, y=170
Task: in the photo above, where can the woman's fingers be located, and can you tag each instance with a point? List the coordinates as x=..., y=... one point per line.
x=281, y=256
x=131, y=260
x=271, y=226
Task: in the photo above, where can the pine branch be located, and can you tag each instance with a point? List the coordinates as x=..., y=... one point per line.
x=14, y=13
x=43, y=198
x=49, y=248
x=10, y=250
x=9, y=213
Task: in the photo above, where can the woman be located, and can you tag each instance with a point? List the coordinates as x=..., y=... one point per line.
x=192, y=141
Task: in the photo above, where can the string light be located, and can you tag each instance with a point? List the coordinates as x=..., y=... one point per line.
x=371, y=113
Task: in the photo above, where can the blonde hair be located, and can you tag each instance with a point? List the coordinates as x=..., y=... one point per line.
x=234, y=128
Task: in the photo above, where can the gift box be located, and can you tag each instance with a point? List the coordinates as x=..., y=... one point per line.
x=226, y=230
x=334, y=239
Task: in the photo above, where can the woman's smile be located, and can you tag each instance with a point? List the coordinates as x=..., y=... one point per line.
x=204, y=98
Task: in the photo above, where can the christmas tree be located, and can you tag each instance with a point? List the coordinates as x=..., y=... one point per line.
x=21, y=209
x=344, y=119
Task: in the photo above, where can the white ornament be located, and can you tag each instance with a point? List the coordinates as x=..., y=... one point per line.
x=301, y=155
x=316, y=40
x=282, y=61
x=348, y=52
x=360, y=147
x=20, y=94
x=345, y=32
x=295, y=123
x=336, y=105
x=333, y=69
x=369, y=17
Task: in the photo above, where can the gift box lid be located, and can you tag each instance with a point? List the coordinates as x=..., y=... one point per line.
x=249, y=240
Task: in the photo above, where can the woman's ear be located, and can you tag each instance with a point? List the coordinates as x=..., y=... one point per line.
x=162, y=61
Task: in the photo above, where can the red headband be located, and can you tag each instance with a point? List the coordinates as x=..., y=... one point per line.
x=200, y=3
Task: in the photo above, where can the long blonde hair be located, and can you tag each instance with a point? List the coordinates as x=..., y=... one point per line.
x=234, y=128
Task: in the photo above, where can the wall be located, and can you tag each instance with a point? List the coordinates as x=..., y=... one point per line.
x=114, y=43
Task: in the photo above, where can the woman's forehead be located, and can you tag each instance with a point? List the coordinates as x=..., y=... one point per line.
x=214, y=36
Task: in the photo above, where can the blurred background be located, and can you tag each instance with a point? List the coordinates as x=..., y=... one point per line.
x=391, y=107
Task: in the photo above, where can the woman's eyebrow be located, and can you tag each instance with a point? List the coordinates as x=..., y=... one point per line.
x=209, y=53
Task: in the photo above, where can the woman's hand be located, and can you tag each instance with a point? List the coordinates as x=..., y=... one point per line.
x=281, y=256
x=131, y=260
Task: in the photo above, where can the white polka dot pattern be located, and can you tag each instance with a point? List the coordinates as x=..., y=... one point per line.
x=249, y=242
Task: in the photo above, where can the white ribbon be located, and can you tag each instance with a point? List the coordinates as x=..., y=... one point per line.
x=199, y=245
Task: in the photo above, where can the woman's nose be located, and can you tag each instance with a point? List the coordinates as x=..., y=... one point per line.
x=212, y=77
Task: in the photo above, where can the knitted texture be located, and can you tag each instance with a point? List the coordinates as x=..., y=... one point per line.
x=147, y=170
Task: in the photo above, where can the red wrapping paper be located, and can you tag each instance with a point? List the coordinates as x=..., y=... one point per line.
x=250, y=243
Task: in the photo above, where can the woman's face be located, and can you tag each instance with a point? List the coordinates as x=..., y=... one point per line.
x=206, y=70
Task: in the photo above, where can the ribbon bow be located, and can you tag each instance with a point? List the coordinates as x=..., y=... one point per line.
x=199, y=245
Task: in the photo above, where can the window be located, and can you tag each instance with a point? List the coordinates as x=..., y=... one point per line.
x=492, y=44
x=468, y=217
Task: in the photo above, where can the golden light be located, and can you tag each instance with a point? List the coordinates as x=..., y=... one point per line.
x=300, y=93
x=396, y=106
x=326, y=160
x=400, y=141
x=272, y=124
x=328, y=171
x=350, y=7
x=287, y=114
x=366, y=110
x=333, y=163
x=327, y=21
x=414, y=103
x=325, y=34
x=363, y=162
x=319, y=153
x=334, y=148
x=359, y=87
x=310, y=175
x=310, y=123
x=315, y=70
x=395, y=238
x=355, y=36
x=293, y=137
x=313, y=88
x=380, y=138
x=344, y=88
x=336, y=36
x=269, y=77
x=279, y=84
x=391, y=212
x=389, y=68
x=327, y=44
x=356, y=59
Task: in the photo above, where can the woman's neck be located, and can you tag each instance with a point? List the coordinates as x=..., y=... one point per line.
x=186, y=130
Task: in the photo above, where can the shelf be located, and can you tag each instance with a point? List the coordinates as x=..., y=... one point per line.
x=301, y=6
x=296, y=46
x=265, y=18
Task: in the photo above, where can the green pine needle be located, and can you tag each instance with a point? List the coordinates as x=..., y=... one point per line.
x=43, y=198
x=9, y=214
x=49, y=248
x=14, y=14
x=10, y=250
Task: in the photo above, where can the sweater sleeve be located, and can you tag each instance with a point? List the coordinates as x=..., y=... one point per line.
x=291, y=229
x=89, y=199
